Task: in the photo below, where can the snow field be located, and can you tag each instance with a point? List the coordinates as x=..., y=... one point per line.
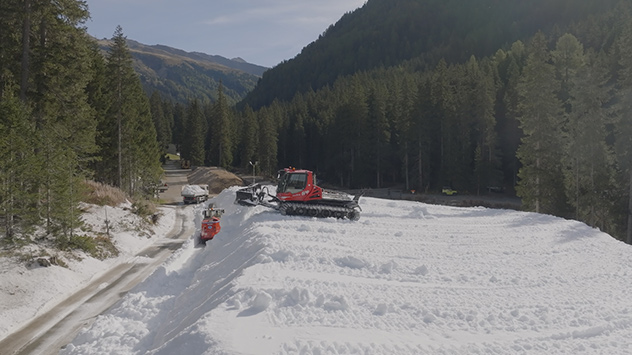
x=407, y=278
x=29, y=290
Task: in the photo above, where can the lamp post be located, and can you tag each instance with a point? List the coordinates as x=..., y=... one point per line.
x=253, y=170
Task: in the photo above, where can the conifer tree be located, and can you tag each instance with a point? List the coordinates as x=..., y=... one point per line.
x=623, y=133
x=540, y=185
x=56, y=69
x=249, y=138
x=588, y=159
x=161, y=124
x=220, y=131
x=131, y=155
x=179, y=124
x=568, y=57
x=268, y=138
x=194, y=133
x=481, y=101
x=16, y=158
x=379, y=130
x=444, y=107
x=402, y=116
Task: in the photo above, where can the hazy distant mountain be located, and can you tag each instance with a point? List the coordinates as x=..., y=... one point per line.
x=180, y=75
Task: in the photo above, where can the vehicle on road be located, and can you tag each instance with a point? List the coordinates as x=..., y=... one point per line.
x=194, y=193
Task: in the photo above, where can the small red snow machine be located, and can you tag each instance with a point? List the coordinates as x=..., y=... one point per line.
x=297, y=194
x=210, y=223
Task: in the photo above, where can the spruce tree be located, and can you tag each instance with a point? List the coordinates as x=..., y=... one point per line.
x=268, y=138
x=623, y=132
x=589, y=168
x=194, y=133
x=249, y=137
x=16, y=159
x=130, y=156
x=540, y=185
x=221, y=131
x=161, y=124
x=56, y=69
x=379, y=130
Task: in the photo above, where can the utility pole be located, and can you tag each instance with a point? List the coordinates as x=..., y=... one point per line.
x=253, y=170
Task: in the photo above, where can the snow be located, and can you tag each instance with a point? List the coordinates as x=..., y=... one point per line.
x=28, y=290
x=407, y=278
x=193, y=190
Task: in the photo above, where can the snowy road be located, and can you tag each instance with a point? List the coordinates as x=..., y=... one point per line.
x=47, y=333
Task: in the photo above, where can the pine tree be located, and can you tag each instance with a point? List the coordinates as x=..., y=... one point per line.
x=379, y=130
x=161, y=125
x=130, y=156
x=194, y=133
x=588, y=164
x=623, y=133
x=249, y=138
x=568, y=58
x=268, y=136
x=481, y=102
x=540, y=185
x=16, y=158
x=443, y=96
x=402, y=114
x=221, y=131
x=56, y=70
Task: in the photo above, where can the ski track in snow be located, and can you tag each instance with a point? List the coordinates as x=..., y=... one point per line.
x=407, y=278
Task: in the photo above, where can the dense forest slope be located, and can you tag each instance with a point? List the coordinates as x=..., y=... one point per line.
x=179, y=76
x=388, y=32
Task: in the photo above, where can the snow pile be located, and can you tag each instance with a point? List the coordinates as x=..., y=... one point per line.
x=407, y=278
x=193, y=190
x=28, y=290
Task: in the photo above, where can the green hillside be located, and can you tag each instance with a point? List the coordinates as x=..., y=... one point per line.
x=385, y=33
x=180, y=76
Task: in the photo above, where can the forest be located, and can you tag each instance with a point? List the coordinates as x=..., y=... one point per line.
x=471, y=100
x=68, y=115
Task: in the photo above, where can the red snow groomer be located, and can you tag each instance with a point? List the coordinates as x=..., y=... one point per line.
x=297, y=194
x=210, y=223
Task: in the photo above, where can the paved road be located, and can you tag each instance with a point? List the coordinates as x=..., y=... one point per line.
x=49, y=332
x=175, y=179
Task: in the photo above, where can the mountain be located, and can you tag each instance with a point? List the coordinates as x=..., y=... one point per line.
x=179, y=75
x=386, y=33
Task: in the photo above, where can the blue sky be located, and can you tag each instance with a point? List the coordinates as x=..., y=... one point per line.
x=263, y=32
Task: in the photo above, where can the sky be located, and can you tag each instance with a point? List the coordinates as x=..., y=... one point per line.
x=262, y=32
x=407, y=278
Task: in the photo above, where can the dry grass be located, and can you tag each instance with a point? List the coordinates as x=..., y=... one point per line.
x=102, y=195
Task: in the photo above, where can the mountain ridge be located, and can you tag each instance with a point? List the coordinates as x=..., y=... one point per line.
x=179, y=75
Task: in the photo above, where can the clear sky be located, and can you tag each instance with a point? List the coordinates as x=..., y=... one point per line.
x=263, y=32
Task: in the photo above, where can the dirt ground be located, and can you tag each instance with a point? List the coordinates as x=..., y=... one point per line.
x=217, y=179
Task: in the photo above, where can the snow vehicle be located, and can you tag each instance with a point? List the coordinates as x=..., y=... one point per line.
x=210, y=224
x=298, y=195
x=194, y=193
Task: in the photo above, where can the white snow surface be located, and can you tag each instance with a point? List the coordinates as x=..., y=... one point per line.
x=407, y=278
x=193, y=190
x=28, y=290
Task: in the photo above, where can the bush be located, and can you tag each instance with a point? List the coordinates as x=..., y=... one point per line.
x=100, y=247
x=144, y=208
x=102, y=194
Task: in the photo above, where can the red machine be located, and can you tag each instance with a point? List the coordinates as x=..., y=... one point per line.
x=210, y=224
x=298, y=194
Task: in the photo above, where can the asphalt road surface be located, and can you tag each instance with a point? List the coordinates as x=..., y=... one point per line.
x=49, y=332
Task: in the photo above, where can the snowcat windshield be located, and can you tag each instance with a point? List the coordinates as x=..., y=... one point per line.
x=292, y=182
